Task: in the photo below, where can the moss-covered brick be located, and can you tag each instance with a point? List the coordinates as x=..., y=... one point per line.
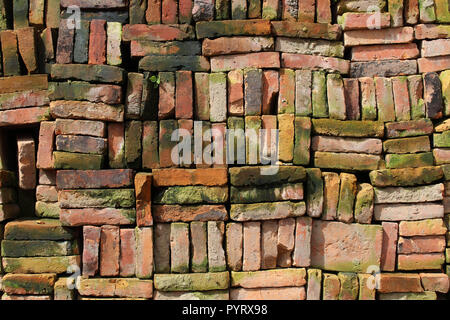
x=78, y=161
x=319, y=95
x=427, y=11
x=349, y=286
x=351, y=128
x=192, y=281
x=40, y=264
x=266, y=194
x=302, y=141
x=347, y=194
x=442, y=140
x=23, y=284
x=406, y=176
x=38, y=248
x=364, y=203
x=346, y=161
x=407, y=145
x=97, y=198
x=396, y=161
x=267, y=210
x=246, y=176
x=37, y=229
x=191, y=195
x=47, y=209
x=289, y=277
x=415, y=89
x=306, y=30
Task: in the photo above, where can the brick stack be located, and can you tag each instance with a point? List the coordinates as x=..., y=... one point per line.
x=118, y=123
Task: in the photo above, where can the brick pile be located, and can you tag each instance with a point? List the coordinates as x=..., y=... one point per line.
x=117, y=180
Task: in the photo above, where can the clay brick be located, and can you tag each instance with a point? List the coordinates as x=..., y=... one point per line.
x=144, y=253
x=166, y=107
x=383, y=68
x=134, y=95
x=385, y=52
x=428, y=244
x=303, y=82
x=26, y=38
x=85, y=72
x=234, y=245
x=86, y=110
x=306, y=29
x=432, y=95
x=150, y=153
x=293, y=60
x=65, y=45
x=199, y=247
x=162, y=248
x=179, y=247
x=214, y=29
x=240, y=61
x=381, y=36
x=331, y=286
x=233, y=45
x=401, y=98
x=235, y=83
x=352, y=98
x=239, y=10
x=217, y=97
x=109, y=251
x=389, y=249
x=45, y=147
x=216, y=254
x=433, y=64
x=26, y=162
x=81, y=144
x=399, y=282
x=36, y=12
x=183, y=95
x=153, y=12
x=201, y=87
x=157, y=32
x=412, y=11
x=364, y=20
x=286, y=97
x=302, y=142
x=97, y=42
x=91, y=245
x=385, y=99
x=336, y=97
x=368, y=99
x=11, y=66
x=435, y=282
x=251, y=246
x=80, y=127
x=253, y=92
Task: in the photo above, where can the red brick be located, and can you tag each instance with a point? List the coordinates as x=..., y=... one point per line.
x=144, y=253
x=296, y=61
x=252, y=246
x=289, y=10
x=94, y=179
x=116, y=145
x=401, y=98
x=97, y=216
x=80, y=127
x=91, y=243
x=64, y=49
x=185, y=11
x=427, y=244
x=184, y=104
x=233, y=45
x=431, y=31
x=97, y=42
x=158, y=32
x=134, y=95
x=45, y=148
x=153, y=13
x=247, y=60
x=323, y=11
x=411, y=11
x=381, y=36
x=385, y=52
x=109, y=251
x=285, y=242
x=433, y=64
x=26, y=162
x=22, y=83
x=363, y=20
x=169, y=11
x=302, y=252
x=27, y=47
x=438, y=282
x=399, y=282
x=127, y=261
x=166, y=107
x=270, y=90
x=235, y=93
x=385, y=99
x=142, y=185
x=234, y=245
x=166, y=128
x=10, y=55
x=269, y=250
x=177, y=213
x=86, y=110
x=36, y=12
x=286, y=96
x=389, y=248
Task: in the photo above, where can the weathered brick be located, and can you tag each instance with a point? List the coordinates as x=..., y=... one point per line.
x=428, y=227
x=144, y=252
x=368, y=99
x=346, y=161
x=24, y=284
x=364, y=20
x=65, y=45
x=199, y=246
x=91, y=247
x=432, y=95
x=294, y=60
x=409, y=128
x=399, y=282
x=86, y=110
x=234, y=246
x=349, y=286
x=380, y=36
x=398, y=212
x=277, y=278
x=192, y=281
x=26, y=38
x=389, y=248
x=93, y=179
x=331, y=286
x=251, y=246
x=327, y=249
x=87, y=72
x=304, y=29
x=184, y=95
x=11, y=66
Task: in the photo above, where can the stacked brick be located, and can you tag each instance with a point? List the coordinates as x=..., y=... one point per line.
x=122, y=181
